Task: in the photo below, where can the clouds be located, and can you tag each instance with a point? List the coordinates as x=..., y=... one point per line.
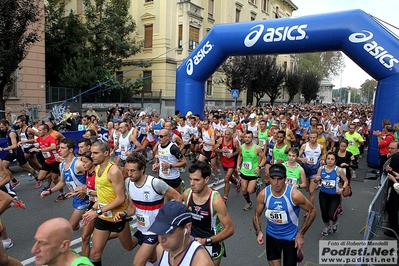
x=352, y=75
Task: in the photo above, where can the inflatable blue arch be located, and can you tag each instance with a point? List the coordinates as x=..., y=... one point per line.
x=353, y=32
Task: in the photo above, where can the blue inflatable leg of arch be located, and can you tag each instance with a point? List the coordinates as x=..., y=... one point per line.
x=354, y=32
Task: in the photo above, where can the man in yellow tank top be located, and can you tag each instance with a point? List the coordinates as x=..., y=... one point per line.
x=111, y=199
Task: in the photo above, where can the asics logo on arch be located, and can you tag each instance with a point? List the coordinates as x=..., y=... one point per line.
x=373, y=48
x=280, y=34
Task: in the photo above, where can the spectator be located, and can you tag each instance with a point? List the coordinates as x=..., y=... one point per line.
x=74, y=121
x=10, y=116
x=91, y=112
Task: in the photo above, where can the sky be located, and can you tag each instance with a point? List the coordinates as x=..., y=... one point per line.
x=387, y=11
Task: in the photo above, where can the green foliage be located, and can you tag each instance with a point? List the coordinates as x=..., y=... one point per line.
x=16, y=17
x=293, y=84
x=368, y=89
x=324, y=64
x=259, y=74
x=310, y=86
x=94, y=44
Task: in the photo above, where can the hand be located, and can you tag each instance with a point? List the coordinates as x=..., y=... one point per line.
x=299, y=241
x=155, y=167
x=88, y=217
x=165, y=165
x=119, y=216
x=259, y=238
x=45, y=193
x=202, y=241
x=340, y=190
x=257, y=170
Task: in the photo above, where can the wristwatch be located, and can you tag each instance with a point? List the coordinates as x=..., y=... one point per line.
x=99, y=211
x=208, y=241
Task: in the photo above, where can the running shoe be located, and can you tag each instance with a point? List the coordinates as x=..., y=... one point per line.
x=17, y=203
x=61, y=197
x=216, y=181
x=335, y=226
x=238, y=186
x=7, y=243
x=326, y=231
x=38, y=184
x=247, y=206
x=31, y=177
x=15, y=184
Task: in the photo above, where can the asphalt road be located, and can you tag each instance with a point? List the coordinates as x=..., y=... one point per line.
x=242, y=248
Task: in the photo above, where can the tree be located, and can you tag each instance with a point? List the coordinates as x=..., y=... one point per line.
x=341, y=93
x=18, y=33
x=368, y=89
x=97, y=43
x=310, y=86
x=324, y=64
x=235, y=70
x=293, y=84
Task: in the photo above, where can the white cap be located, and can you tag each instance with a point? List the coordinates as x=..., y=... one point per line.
x=252, y=116
x=356, y=120
x=189, y=113
x=142, y=113
x=232, y=124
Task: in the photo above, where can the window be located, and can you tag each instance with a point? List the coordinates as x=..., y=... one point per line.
x=253, y=16
x=147, y=1
x=253, y=1
x=277, y=15
x=265, y=4
x=148, y=30
x=79, y=8
x=238, y=15
x=180, y=38
x=210, y=8
x=209, y=87
x=193, y=38
x=119, y=77
x=147, y=78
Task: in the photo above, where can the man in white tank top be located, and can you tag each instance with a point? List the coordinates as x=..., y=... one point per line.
x=176, y=246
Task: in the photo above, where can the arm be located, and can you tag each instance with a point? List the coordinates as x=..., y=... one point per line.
x=133, y=139
x=5, y=175
x=301, y=151
x=260, y=206
x=171, y=193
x=131, y=210
x=115, y=177
x=300, y=200
x=304, y=181
x=200, y=258
x=179, y=142
x=58, y=186
x=262, y=159
x=14, y=143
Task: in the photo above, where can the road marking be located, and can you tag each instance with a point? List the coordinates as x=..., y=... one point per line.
x=262, y=254
x=307, y=263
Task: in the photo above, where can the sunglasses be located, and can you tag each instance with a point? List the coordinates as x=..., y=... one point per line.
x=161, y=136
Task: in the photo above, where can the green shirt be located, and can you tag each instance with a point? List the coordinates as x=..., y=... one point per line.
x=279, y=153
x=81, y=260
x=262, y=138
x=250, y=161
x=293, y=175
x=353, y=146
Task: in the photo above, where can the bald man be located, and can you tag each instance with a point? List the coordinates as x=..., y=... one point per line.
x=52, y=245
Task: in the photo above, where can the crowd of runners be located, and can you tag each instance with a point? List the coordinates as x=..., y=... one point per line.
x=284, y=151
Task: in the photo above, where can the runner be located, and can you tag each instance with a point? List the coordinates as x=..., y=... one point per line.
x=295, y=174
x=281, y=204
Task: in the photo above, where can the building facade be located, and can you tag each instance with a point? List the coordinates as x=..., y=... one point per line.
x=171, y=30
x=30, y=82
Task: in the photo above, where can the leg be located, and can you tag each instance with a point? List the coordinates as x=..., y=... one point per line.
x=227, y=178
x=6, y=260
x=214, y=166
x=312, y=189
x=126, y=239
x=75, y=218
x=100, y=238
x=145, y=253
x=86, y=235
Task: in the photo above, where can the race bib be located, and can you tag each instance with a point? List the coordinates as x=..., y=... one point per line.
x=262, y=142
x=123, y=153
x=247, y=165
x=328, y=183
x=278, y=217
x=107, y=214
x=143, y=220
x=291, y=181
x=312, y=160
x=227, y=152
x=165, y=171
x=46, y=154
x=351, y=142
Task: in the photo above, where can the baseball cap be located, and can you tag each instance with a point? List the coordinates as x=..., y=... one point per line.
x=173, y=122
x=171, y=215
x=356, y=120
x=189, y=113
x=232, y=124
x=252, y=116
x=275, y=124
x=278, y=170
x=142, y=113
